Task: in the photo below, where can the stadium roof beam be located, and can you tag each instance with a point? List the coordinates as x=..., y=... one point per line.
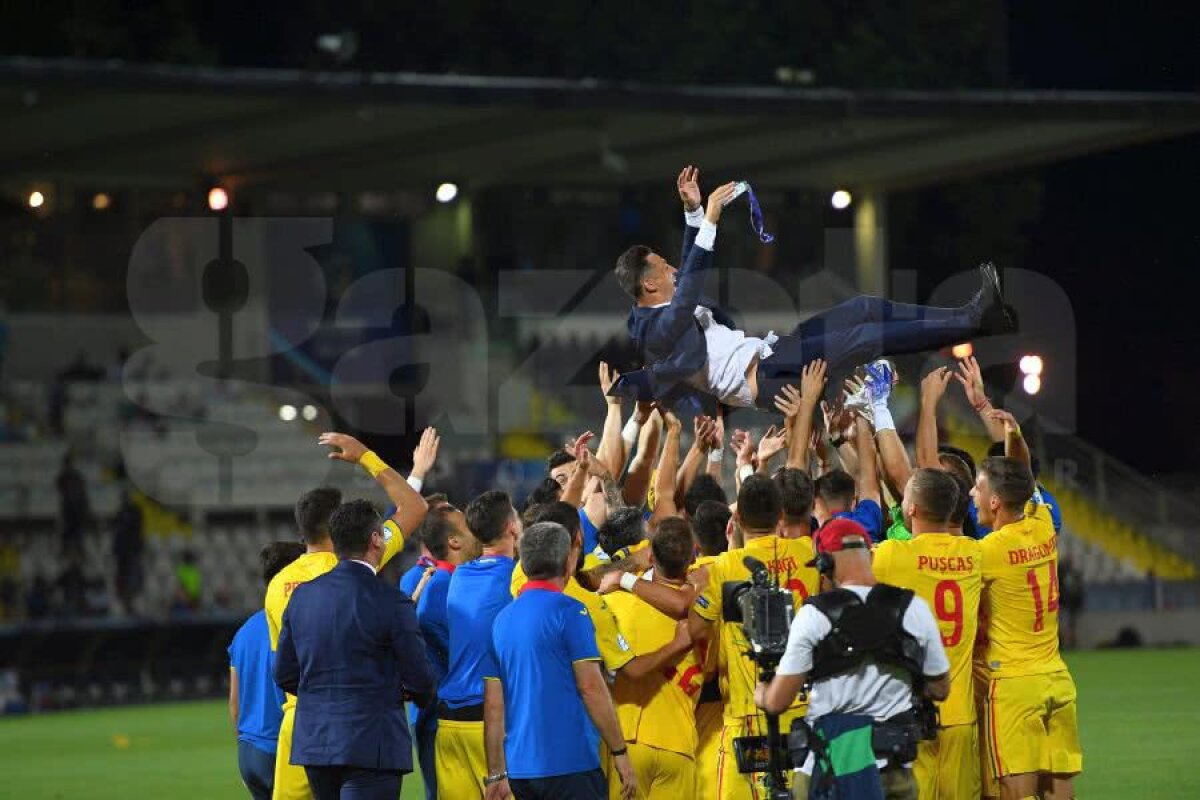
x=160, y=125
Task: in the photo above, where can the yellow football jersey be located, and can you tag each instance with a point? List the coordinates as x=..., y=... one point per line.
x=1020, y=597
x=659, y=709
x=786, y=559
x=613, y=646
x=946, y=572
x=303, y=570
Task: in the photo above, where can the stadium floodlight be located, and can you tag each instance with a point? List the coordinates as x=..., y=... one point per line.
x=446, y=192
x=101, y=201
x=36, y=199
x=218, y=199
x=1032, y=384
x=309, y=413
x=1031, y=364
x=287, y=413
x=964, y=350
x=840, y=199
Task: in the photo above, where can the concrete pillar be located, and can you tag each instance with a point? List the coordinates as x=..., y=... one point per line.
x=870, y=241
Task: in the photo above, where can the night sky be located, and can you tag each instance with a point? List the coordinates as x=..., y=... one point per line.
x=1119, y=231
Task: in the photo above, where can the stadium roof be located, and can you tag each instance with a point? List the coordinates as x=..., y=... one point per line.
x=121, y=124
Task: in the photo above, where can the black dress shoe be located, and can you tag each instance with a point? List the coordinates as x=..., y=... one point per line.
x=989, y=303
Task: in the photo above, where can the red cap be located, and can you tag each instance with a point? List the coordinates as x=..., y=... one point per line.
x=840, y=534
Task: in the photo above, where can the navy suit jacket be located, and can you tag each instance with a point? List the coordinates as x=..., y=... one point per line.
x=350, y=649
x=669, y=338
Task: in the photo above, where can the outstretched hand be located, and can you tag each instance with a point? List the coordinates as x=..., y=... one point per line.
x=608, y=376
x=971, y=378
x=346, y=447
x=716, y=202
x=933, y=386
x=688, y=184
x=425, y=452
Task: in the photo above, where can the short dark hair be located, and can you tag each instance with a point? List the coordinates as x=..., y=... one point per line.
x=557, y=459
x=935, y=492
x=545, y=492
x=623, y=528
x=276, y=556
x=1035, y=466
x=544, y=548
x=704, y=487
x=673, y=549
x=798, y=492
x=351, y=526
x=962, y=454
x=631, y=269
x=434, y=499
x=488, y=515
x=963, y=507
x=759, y=503
x=313, y=510
x=709, y=523
x=956, y=466
x=836, y=488
x=435, y=531
x=564, y=514
x=1010, y=479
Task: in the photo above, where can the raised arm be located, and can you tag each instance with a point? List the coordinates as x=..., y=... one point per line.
x=812, y=384
x=410, y=506
x=1014, y=443
x=637, y=480
x=424, y=456
x=892, y=455
x=664, y=476
x=611, y=452
x=933, y=386
x=573, y=489
x=702, y=432
x=672, y=602
x=867, y=478
x=971, y=378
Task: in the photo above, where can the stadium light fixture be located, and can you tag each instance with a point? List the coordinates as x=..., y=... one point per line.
x=101, y=201
x=961, y=351
x=446, y=192
x=1032, y=384
x=1031, y=364
x=36, y=199
x=840, y=199
x=287, y=413
x=218, y=199
x=309, y=413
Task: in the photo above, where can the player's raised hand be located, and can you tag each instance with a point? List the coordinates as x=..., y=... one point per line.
x=608, y=376
x=688, y=184
x=717, y=440
x=716, y=202
x=933, y=386
x=703, y=428
x=743, y=447
x=670, y=421
x=971, y=378
x=425, y=453
x=812, y=381
x=345, y=447
x=771, y=443
x=1006, y=419
x=788, y=402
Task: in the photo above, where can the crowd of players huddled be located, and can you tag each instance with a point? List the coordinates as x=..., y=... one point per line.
x=643, y=692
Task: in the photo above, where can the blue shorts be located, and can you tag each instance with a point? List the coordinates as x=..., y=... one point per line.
x=258, y=770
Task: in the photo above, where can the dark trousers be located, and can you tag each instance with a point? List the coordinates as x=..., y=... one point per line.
x=426, y=735
x=857, y=331
x=353, y=783
x=258, y=770
x=590, y=785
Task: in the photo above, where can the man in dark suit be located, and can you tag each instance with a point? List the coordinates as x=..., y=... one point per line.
x=351, y=651
x=691, y=348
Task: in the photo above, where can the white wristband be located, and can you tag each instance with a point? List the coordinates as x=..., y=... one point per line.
x=628, y=581
x=883, y=417
x=716, y=456
x=706, y=237
x=629, y=433
x=415, y=482
x=745, y=471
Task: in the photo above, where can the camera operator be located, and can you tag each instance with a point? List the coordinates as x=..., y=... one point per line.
x=873, y=652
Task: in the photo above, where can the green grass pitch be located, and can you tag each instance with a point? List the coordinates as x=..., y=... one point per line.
x=1138, y=716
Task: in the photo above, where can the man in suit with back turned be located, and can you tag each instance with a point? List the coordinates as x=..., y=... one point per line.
x=351, y=651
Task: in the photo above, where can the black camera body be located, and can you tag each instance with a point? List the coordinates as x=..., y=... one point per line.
x=764, y=612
